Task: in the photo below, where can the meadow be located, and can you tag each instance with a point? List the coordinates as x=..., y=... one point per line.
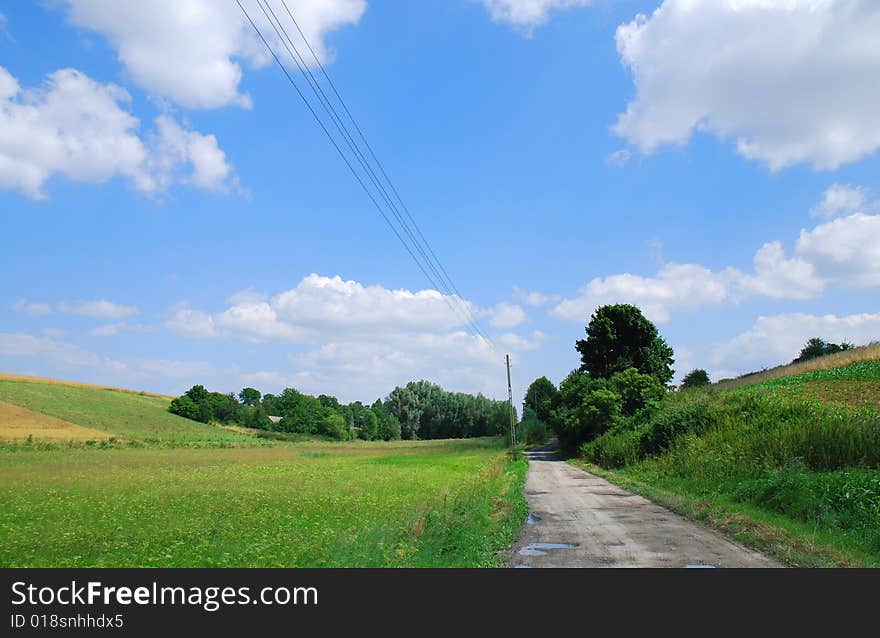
x=446, y=503
x=789, y=464
x=109, y=478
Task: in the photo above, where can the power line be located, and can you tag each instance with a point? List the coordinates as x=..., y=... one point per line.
x=446, y=285
x=444, y=279
x=369, y=148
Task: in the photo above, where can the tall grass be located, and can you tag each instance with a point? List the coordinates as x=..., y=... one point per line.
x=870, y=352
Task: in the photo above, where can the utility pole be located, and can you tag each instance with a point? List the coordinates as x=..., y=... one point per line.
x=510, y=400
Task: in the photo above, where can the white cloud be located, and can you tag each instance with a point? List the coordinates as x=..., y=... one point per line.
x=77, y=127
x=675, y=286
x=32, y=309
x=506, y=315
x=791, y=81
x=190, y=51
x=779, y=277
x=843, y=199
x=779, y=338
x=327, y=306
x=363, y=340
x=248, y=295
x=101, y=309
x=844, y=250
x=527, y=14
x=533, y=298
x=192, y=323
x=112, y=329
x=619, y=158
x=187, y=157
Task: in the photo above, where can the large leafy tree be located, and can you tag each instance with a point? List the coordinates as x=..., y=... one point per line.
x=249, y=396
x=620, y=337
x=539, y=396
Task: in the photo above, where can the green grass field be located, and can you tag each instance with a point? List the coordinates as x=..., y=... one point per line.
x=176, y=493
x=789, y=464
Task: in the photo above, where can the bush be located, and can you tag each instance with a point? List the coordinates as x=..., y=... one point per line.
x=675, y=421
x=614, y=450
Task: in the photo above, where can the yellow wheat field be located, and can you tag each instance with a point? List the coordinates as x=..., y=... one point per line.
x=17, y=424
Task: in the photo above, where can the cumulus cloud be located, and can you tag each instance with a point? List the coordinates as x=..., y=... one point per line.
x=791, y=82
x=506, y=315
x=675, y=286
x=528, y=14
x=843, y=199
x=779, y=277
x=190, y=51
x=779, y=338
x=534, y=298
x=843, y=252
x=320, y=306
x=79, y=128
x=362, y=340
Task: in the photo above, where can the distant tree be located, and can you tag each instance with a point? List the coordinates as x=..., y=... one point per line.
x=197, y=394
x=269, y=404
x=332, y=424
x=620, y=337
x=329, y=401
x=388, y=427
x=817, y=347
x=696, y=378
x=404, y=404
x=249, y=396
x=539, y=397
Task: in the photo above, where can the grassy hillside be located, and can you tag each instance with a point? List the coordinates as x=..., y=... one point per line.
x=869, y=353
x=790, y=463
x=432, y=503
x=117, y=413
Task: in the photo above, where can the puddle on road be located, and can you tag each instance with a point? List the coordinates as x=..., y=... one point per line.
x=538, y=549
x=533, y=519
x=700, y=566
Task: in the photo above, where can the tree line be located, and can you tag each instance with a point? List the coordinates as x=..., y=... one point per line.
x=418, y=410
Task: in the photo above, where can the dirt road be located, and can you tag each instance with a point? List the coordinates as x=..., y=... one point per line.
x=580, y=520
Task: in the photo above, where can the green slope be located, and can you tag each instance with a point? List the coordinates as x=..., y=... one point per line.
x=122, y=414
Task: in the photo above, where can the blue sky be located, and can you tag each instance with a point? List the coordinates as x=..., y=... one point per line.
x=172, y=214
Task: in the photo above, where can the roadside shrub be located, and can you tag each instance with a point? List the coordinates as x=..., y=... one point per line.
x=673, y=422
x=614, y=450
